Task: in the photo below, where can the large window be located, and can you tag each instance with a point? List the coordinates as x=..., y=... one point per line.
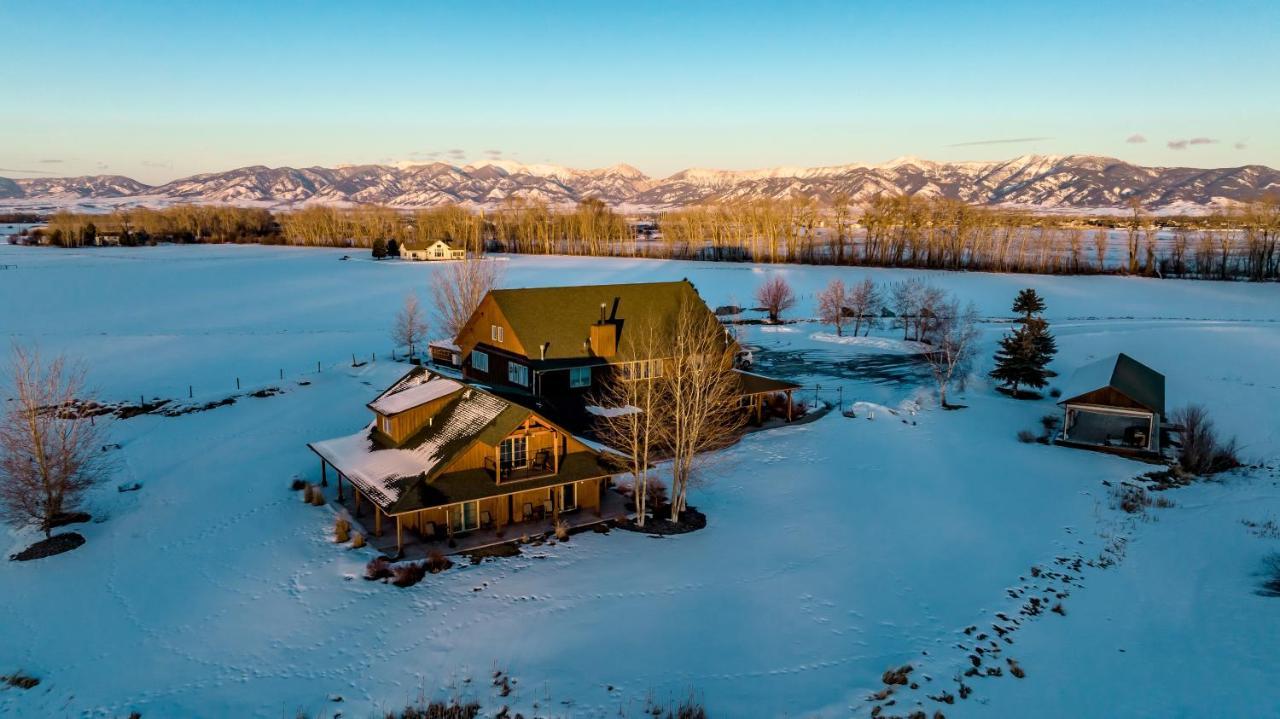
x=569, y=497
x=518, y=374
x=514, y=452
x=479, y=361
x=644, y=369
x=465, y=516
x=580, y=377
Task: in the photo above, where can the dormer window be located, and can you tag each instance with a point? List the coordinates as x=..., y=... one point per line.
x=495, y=333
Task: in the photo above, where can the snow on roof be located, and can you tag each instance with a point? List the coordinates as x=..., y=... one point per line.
x=377, y=471
x=445, y=345
x=415, y=395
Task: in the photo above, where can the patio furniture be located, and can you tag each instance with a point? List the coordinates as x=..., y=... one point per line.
x=542, y=460
x=486, y=521
x=528, y=511
x=548, y=507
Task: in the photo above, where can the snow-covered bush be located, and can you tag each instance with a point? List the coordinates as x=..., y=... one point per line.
x=1202, y=451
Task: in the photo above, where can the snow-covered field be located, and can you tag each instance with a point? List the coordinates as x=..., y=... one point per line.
x=835, y=549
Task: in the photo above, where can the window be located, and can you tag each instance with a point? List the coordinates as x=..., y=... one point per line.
x=479, y=361
x=518, y=374
x=465, y=516
x=495, y=333
x=384, y=423
x=644, y=369
x=514, y=452
x=569, y=497
x=580, y=377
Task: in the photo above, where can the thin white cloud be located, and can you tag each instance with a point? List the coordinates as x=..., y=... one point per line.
x=1136, y=138
x=1184, y=144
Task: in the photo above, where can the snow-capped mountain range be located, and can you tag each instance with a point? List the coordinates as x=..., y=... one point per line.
x=1040, y=182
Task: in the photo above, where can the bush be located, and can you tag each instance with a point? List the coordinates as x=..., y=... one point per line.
x=1202, y=452
x=437, y=562
x=408, y=573
x=307, y=493
x=1134, y=500
x=562, y=530
x=1050, y=423
x=378, y=568
x=655, y=494
x=341, y=530
x=357, y=541
x=1026, y=436
x=1271, y=576
x=317, y=496
x=688, y=709
x=298, y=484
x=19, y=680
x=1055, y=393
x=437, y=710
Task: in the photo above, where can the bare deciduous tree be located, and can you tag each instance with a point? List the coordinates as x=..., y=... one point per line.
x=953, y=339
x=409, y=328
x=50, y=452
x=833, y=302
x=457, y=289
x=864, y=303
x=630, y=415
x=775, y=296
x=700, y=391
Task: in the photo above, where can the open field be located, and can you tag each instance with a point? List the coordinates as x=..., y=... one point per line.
x=835, y=549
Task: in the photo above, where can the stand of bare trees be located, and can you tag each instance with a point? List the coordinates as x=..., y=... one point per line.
x=50, y=453
x=409, y=329
x=682, y=412
x=457, y=289
x=952, y=334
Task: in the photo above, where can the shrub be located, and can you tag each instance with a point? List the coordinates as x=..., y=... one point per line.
x=298, y=484
x=307, y=491
x=341, y=530
x=1271, y=576
x=357, y=541
x=896, y=676
x=1026, y=436
x=437, y=562
x=1202, y=452
x=317, y=496
x=408, y=573
x=437, y=710
x=562, y=530
x=1050, y=423
x=19, y=680
x=655, y=494
x=378, y=568
x=1055, y=393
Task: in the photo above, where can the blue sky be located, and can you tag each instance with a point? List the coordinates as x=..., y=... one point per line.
x=161, y=90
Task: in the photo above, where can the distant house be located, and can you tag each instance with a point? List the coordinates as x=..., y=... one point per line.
x=1116, y=403
x=441, y=458
x=432, y=250
x=561, y=343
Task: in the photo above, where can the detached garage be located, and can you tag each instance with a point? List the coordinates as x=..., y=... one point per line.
x=1117, y=404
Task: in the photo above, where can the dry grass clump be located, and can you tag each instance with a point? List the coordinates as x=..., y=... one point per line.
x=453, y=709
x=562, y=530
x=437, y=562
x=378, y=568
x=308, y=492
x=408, y=573
x=19, y=680
x=341, y=530
x=1136, y=500
x=357, y=541
x=1271, y=576
x=1026, y=436
x=897, y=676
x=1202, y=451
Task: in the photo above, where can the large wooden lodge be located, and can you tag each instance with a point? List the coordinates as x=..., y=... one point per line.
x=508, y=442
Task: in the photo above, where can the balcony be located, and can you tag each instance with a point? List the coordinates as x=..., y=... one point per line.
x=541, y=464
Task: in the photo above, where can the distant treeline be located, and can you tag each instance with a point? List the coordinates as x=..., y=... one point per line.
x=890, y=231
x=19, y=218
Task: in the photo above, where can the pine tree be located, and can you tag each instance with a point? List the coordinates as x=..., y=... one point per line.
x=393, y=248
x=1024, y=354
x=379, y=248
x=1028, y=303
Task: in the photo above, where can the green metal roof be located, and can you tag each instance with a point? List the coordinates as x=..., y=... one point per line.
x=1123, y=374
x=561, y=317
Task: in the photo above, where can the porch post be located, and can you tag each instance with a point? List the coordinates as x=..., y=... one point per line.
x=340, y=498
x=399, y=535
x=555, y=452
x=324, y=473
x=377, y=519
x=356, y=492
x=788, y=405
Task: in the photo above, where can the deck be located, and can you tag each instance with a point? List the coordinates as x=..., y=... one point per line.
x=613, y=506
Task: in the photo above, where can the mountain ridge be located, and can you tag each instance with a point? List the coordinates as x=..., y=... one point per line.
x=1034, y=182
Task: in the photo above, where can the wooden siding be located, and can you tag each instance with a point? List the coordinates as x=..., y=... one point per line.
x=477, y=331
x=405, y=424
x=1106, y=397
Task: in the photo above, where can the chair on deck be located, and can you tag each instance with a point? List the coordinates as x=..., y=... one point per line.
x=542, y=460
x=548, y=508
x=527, y=511
x=429, y=530
x=486, y=521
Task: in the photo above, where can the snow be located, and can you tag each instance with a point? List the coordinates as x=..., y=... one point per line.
x=612, y=411
x=415, y=396
x=835, y=548
x=884, y=344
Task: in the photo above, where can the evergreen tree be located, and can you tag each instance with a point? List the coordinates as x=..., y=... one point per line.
x=1028, y=303
x=393, y=248
x=379, y=248
x=1024, y=354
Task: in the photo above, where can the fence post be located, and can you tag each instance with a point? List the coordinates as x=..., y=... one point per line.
x=237, y=383
x=281, y=373
x=190, y=392
x=317, y=366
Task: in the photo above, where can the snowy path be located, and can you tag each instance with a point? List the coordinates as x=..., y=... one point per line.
x=835, y=549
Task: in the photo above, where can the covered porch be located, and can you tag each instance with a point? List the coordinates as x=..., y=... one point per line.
x=467, y=526
x=755, y=392
x=1112, y=428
